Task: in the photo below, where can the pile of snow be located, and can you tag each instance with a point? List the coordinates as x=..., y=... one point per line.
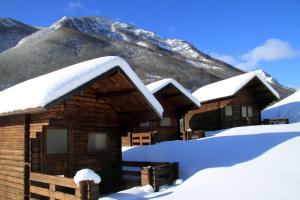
x=54, y=85
x=86, y=175
x=159, y=85
x=256, y=162
x=229, y=87
x=130, y=194
x=288, y=108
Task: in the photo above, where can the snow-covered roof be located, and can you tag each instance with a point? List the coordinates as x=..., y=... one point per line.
x=288, y=108
x=158, y=85
x=229, y=87
x=35, y=94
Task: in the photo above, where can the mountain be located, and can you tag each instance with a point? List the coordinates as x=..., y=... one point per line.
x=12, y=31
x=72, y=40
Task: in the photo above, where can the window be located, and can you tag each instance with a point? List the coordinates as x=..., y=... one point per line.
x=250, y=111
x=145, y=124
x=247, y=111
x=57, y=141
x=228, y=110
x=165, y=122
x=96, y=141
x=244, y=111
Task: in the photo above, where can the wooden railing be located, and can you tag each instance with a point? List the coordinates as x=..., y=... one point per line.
x=275, y=121
x=61, y=188
x=191, y=135
x=155, y=174
x=139, y=139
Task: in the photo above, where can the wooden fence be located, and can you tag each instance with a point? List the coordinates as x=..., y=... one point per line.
x=155, y=174
x=44, y=186
x=191, y=135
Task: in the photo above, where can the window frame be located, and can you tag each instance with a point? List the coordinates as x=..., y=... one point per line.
x=144, y=123
x=166, y=126
x=247, y=111
x=46, y=140
x=97, y=150
x=231, y=111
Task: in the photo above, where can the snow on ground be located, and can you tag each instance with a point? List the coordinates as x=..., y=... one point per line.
x=257, y=162
x=288, y=108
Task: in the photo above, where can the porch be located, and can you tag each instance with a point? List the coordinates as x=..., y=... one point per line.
x=156, y=174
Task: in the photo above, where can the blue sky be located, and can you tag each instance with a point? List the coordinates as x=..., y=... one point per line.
x=249, y=34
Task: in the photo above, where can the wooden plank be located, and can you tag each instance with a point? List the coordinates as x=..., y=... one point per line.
x=61, y=181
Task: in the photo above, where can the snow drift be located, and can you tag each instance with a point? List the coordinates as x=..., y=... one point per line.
x=256, y=162
x=288, y=108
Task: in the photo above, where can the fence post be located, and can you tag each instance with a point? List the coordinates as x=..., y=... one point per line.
x=146, y=176
x=89, y=190
x=175, y=171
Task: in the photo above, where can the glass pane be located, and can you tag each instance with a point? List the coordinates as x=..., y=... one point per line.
x=244, y=111
x=250, y=111
x=97, y=141
x=145, y=124
x=166, y=121
x=228, y=110
x=57, y=141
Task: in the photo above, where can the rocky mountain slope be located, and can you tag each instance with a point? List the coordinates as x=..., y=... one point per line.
x=12, y=31
x=72, y=40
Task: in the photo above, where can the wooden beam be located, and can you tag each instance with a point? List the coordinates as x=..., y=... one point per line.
x=26, y=156
x=115, y=94
x=171, y=95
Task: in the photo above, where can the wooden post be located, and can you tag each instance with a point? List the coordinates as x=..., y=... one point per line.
x=89, y=190
x=26, y=156
x=146, y=176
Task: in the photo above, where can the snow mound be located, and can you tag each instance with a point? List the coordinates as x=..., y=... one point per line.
x=255, y=162
x=86, y=175
x=132, y=193
x=288, y=108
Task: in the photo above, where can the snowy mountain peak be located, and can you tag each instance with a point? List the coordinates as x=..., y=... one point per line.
x=127, y=32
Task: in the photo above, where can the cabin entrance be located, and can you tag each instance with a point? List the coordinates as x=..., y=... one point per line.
x=57, y=151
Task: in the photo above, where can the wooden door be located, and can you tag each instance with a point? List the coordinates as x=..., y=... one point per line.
x=57, y=151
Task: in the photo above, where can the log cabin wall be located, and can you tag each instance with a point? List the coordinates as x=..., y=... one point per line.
x=211, y=116
x=108, y=106
x=164, y=133
x=12, y=157
x=242, y=98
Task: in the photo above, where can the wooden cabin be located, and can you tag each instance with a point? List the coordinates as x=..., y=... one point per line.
x=232, y=102
x=68, y=120
x=176, y=102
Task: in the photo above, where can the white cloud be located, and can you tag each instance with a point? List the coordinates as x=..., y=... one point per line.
x=226, y=58
x=271, y=50
x=77, y=6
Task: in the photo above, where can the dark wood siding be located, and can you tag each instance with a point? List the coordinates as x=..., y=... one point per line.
x=211, y=115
